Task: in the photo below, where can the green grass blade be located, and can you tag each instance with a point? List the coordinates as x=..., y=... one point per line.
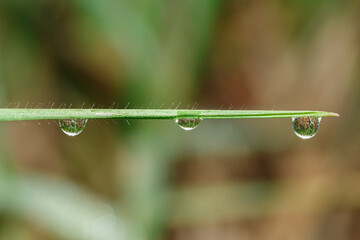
x=38, y=114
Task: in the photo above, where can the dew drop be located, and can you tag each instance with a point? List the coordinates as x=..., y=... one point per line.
x=72, y=127
x=188, y=123
x=306, y=127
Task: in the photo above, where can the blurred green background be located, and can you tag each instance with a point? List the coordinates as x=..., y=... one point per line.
x=228, y=179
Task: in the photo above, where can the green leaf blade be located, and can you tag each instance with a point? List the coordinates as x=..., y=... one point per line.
x=45, y=114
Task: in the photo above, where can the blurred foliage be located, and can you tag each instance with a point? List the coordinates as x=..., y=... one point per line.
x=248, y=179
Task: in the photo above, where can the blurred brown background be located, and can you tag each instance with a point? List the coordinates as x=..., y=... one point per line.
x=228, y=179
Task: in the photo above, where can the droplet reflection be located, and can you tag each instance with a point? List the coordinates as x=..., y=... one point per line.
x=306, y=127
x=72, y=127
x=188, y=123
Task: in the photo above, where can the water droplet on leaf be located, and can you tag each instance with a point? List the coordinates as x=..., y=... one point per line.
x=306, y=127
x=188, y=123
x=72, y=127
